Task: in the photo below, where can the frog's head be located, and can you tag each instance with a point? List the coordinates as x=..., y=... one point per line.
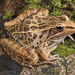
x=63, y=29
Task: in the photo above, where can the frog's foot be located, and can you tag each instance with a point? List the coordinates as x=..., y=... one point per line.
x=45, y=62
x=44, y=52
x=30, y=66
x=55, y=57
x=23, y=55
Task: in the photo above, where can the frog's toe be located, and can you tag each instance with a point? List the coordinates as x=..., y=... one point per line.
x=52, y=59
x=45, y=62
x=55, y=57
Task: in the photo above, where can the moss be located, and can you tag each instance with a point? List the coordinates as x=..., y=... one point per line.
x=32, y=4
x=73, y=19
x=66, y=48
x=7, y=16
x=57, y=7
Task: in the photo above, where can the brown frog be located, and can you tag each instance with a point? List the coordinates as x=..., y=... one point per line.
x=35, y=35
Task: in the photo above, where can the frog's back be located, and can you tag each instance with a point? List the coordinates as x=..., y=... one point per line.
x=34, y=26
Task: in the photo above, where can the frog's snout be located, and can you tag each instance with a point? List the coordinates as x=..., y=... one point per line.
x=69, y=25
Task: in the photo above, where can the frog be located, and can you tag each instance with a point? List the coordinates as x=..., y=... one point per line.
x=34, y=34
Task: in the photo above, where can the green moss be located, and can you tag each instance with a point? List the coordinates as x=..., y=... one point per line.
x=73, y=19
x=56, y=7
x=66, y=48
x=55, y=13
x=32, y=4
x=7, y=16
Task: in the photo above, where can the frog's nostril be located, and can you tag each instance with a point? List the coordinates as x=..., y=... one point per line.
x=68, y=27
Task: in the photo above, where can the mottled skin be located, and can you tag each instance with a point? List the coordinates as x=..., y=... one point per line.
x=35, y=35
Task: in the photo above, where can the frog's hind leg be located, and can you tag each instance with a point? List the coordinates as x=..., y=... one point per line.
x=21, y=55
x=43, y=51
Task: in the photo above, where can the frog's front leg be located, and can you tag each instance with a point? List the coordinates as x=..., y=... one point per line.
x=22, y=55
x=45, y=53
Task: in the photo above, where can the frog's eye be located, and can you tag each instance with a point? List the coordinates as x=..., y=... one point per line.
x=60, y=28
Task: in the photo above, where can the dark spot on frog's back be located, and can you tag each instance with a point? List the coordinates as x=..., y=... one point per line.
x=38, y=18
x=39, y=21
x=34, y=22
x=34, y=36
x=26, y=28
x=35, y=47
x=33, y=27
x=40, y=36
x=32, y=46
x=13, y=53
x=40, y=41
x=53, y=23
x=21, y=38
x=29, y=40
x=37, y=43
x=29, y=34
x=42, y=27
x=28, y=22
x=25, y=34
x=63, y=18
x=30, y=17
x=52, y=19
x=41, y=24
x=45, y=18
